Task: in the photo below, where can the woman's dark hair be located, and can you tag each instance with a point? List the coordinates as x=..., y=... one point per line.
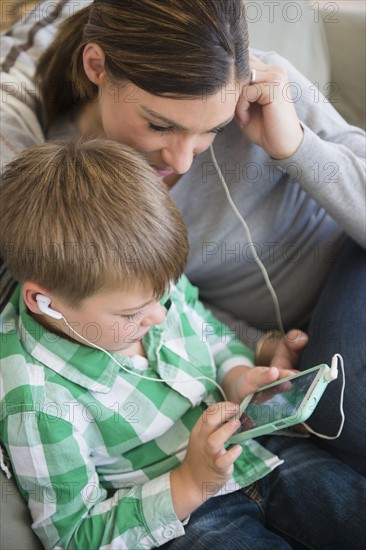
x=175, y=48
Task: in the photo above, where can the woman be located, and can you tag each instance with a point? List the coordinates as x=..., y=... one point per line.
x=173, y=78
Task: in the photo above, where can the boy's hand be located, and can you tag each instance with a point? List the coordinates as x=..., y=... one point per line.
x=250, y=379
x=241, y=381
x=207, y=464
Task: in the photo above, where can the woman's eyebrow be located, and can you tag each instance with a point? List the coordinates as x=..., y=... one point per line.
x=170, y=122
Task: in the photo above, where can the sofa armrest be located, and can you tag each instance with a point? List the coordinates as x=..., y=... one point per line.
x=324, y=40
x=294, y=30
x=346, y=37
x=15, y=520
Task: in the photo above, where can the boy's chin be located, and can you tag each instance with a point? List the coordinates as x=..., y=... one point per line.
x=130, y=348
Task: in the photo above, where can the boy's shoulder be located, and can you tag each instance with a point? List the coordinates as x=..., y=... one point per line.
x=19, y=382
x=22, y=381
x=184, y=291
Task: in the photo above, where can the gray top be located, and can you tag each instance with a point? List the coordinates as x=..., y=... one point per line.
x=299, y=210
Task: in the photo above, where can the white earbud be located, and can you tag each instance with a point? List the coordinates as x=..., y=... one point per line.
x=44, y=305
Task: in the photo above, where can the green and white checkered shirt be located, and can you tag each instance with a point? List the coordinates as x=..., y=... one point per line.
x=92, y=445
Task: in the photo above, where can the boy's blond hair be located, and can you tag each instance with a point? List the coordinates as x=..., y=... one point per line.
x=82, y=217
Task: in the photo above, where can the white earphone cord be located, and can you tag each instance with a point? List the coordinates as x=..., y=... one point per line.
x=341, y=410
x=272, y=291
x=210, y=380
x=250, y=243
x=275, y=301
x=141, y=375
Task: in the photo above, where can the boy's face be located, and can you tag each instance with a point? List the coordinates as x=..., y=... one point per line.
x=113, y=320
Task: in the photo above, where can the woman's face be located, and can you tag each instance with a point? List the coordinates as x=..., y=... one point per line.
x=169, y=132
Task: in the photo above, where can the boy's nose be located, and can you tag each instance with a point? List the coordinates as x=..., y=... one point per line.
x=155, y=315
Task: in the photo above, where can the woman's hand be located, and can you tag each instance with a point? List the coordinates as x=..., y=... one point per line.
x=266, y=113
x=289, y=350
x=207, y=464
x=285, y=352
x=283, y=358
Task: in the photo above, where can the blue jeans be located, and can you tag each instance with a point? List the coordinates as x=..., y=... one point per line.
x=338, y=325
x=311, y=501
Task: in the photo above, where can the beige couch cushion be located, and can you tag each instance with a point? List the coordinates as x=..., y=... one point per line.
x=15, y=520
x=324, y=40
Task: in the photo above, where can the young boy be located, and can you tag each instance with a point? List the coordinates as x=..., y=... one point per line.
x=109, y=362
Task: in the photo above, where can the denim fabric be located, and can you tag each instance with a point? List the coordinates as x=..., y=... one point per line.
x=229, y=522
x=314, y=498
x=338, y=325
x=313, y=501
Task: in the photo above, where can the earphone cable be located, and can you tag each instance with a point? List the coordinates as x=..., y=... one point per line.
x=251, y=244
x=141, y=375
x=274, y=295
x=341, y=409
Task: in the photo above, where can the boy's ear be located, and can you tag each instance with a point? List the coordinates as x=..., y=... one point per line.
x=94, y=63
x=30, y=291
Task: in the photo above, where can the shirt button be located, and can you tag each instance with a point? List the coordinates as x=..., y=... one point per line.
x=168, y=533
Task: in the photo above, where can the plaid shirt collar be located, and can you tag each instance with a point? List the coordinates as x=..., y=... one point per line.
x=94, y=370
x=68, y=358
